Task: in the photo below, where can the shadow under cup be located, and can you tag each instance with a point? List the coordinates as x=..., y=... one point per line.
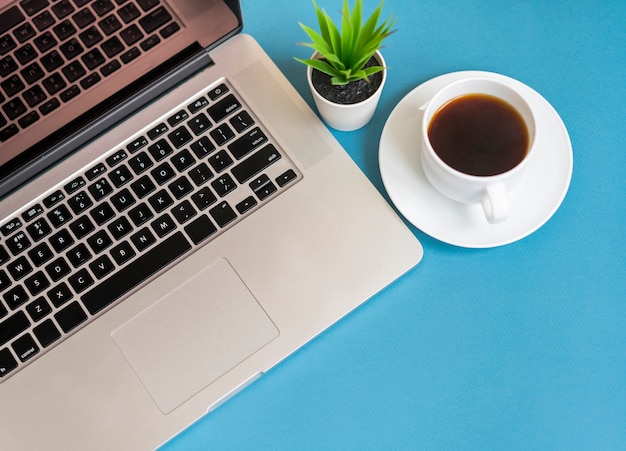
x=477, y=135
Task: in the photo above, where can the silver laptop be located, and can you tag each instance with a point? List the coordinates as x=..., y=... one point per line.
x=174, y=220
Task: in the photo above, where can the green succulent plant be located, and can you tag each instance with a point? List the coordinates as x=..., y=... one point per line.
x=344, y=54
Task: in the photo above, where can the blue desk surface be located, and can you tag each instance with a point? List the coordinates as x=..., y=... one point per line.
x=516, y=347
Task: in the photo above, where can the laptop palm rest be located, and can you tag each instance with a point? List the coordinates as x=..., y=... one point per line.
x=194, y=334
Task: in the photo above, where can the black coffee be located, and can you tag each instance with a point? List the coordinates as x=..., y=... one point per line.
x=479, y=134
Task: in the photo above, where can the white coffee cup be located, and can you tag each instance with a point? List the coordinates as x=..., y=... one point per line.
x=491, y=191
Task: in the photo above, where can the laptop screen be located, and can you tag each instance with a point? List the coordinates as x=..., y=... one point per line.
x=70, y=70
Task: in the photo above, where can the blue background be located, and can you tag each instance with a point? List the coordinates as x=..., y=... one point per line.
x=517, y=347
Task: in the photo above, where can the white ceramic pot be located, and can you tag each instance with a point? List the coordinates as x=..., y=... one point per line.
x=347, y=117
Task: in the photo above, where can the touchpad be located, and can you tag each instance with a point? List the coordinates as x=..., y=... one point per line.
x=194, y=334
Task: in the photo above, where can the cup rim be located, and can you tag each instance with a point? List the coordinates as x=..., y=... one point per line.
x=429, y=109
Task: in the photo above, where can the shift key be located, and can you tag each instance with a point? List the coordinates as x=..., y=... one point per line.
x=256, y=163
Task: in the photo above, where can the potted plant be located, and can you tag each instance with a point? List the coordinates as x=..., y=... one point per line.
x=347, y=72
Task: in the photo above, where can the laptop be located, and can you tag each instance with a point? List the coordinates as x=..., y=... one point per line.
x=174, y=220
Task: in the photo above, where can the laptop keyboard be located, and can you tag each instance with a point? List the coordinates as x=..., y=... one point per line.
x=53, y=50
x=102, y=233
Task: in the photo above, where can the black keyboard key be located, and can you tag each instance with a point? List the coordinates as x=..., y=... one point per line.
x=61, y=240
x=222, y=134
x=13, y=85
x=24, y=32
x=129, y=12
x=241, y=121
x=71, y=48
x=116, y=158
x=122, y=253
x=199, y=124
x=255, y=163
x=81, y=280
x=180, y=137
x=14, y=108
x=19, y=268
x=64, y=30
x=120, y=227
x=54, y=83
x=163, y=173
x=44, y=20
x=109, y=68
x=112, y=46
x=160, y=201
x=38, y=309
x=220, y=161
x=25, y=347
x=71, y=316
x=59, y=216
x=143, y=239
x=78, y=255
x=5, y=282
x=202, y=147
x=224, y=107
x=79, y=202
x=90, y=37
x=39, y=229
x=93, y=59
x=47, y=333
x=140, y=214
x=150, y=42
x=99, y=241
x=140, y=163
x=33, y=6
x=101, y=7
x=40, y=254
x=155, y=19
x=90, y=80
x=45, y=41
x=180, y=187
x=7, y=64
x=218, y=92
x=199, y=104
x=11, y=226
x=18, y=243
x=177, y=118
x=62, y=9
x=7, y=361
x=163, y=225
x=203, y=198
x=122, y=200
x=200, y=229
x=13, y=326
x=135, y=273
x=246, y=204
x=25, y=54
x=95, y=171
x=82, y=227
x=247, y=143
x=169, y=30
x=100, y=189
x=131, y=35
x=101, y=266
x=10, y=18
x=53, y=198
x=58, y=269
x=37, y=283
x=120, y=176
x=184, y=211
x=15, y=297
x=74, y=185
x=29, y=119
x=4, y=255
x=157, y=131
x=130, y=55
x=49, y=106
x=223, y=185
x=201, y=174
x=102, y=213
x=69, y=93
x=143, y=186
x=147, y=5
x=160, y=149
x=83, y=17
x=136, y=144
x=34, y=96
x=110, y=24
x=223, y=214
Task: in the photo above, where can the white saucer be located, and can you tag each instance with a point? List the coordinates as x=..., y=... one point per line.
x=532, y=203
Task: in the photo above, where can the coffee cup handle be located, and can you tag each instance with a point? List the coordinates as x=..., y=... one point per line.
x=495, y=203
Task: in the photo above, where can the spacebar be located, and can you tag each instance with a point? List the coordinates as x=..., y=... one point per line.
x=136, y=272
